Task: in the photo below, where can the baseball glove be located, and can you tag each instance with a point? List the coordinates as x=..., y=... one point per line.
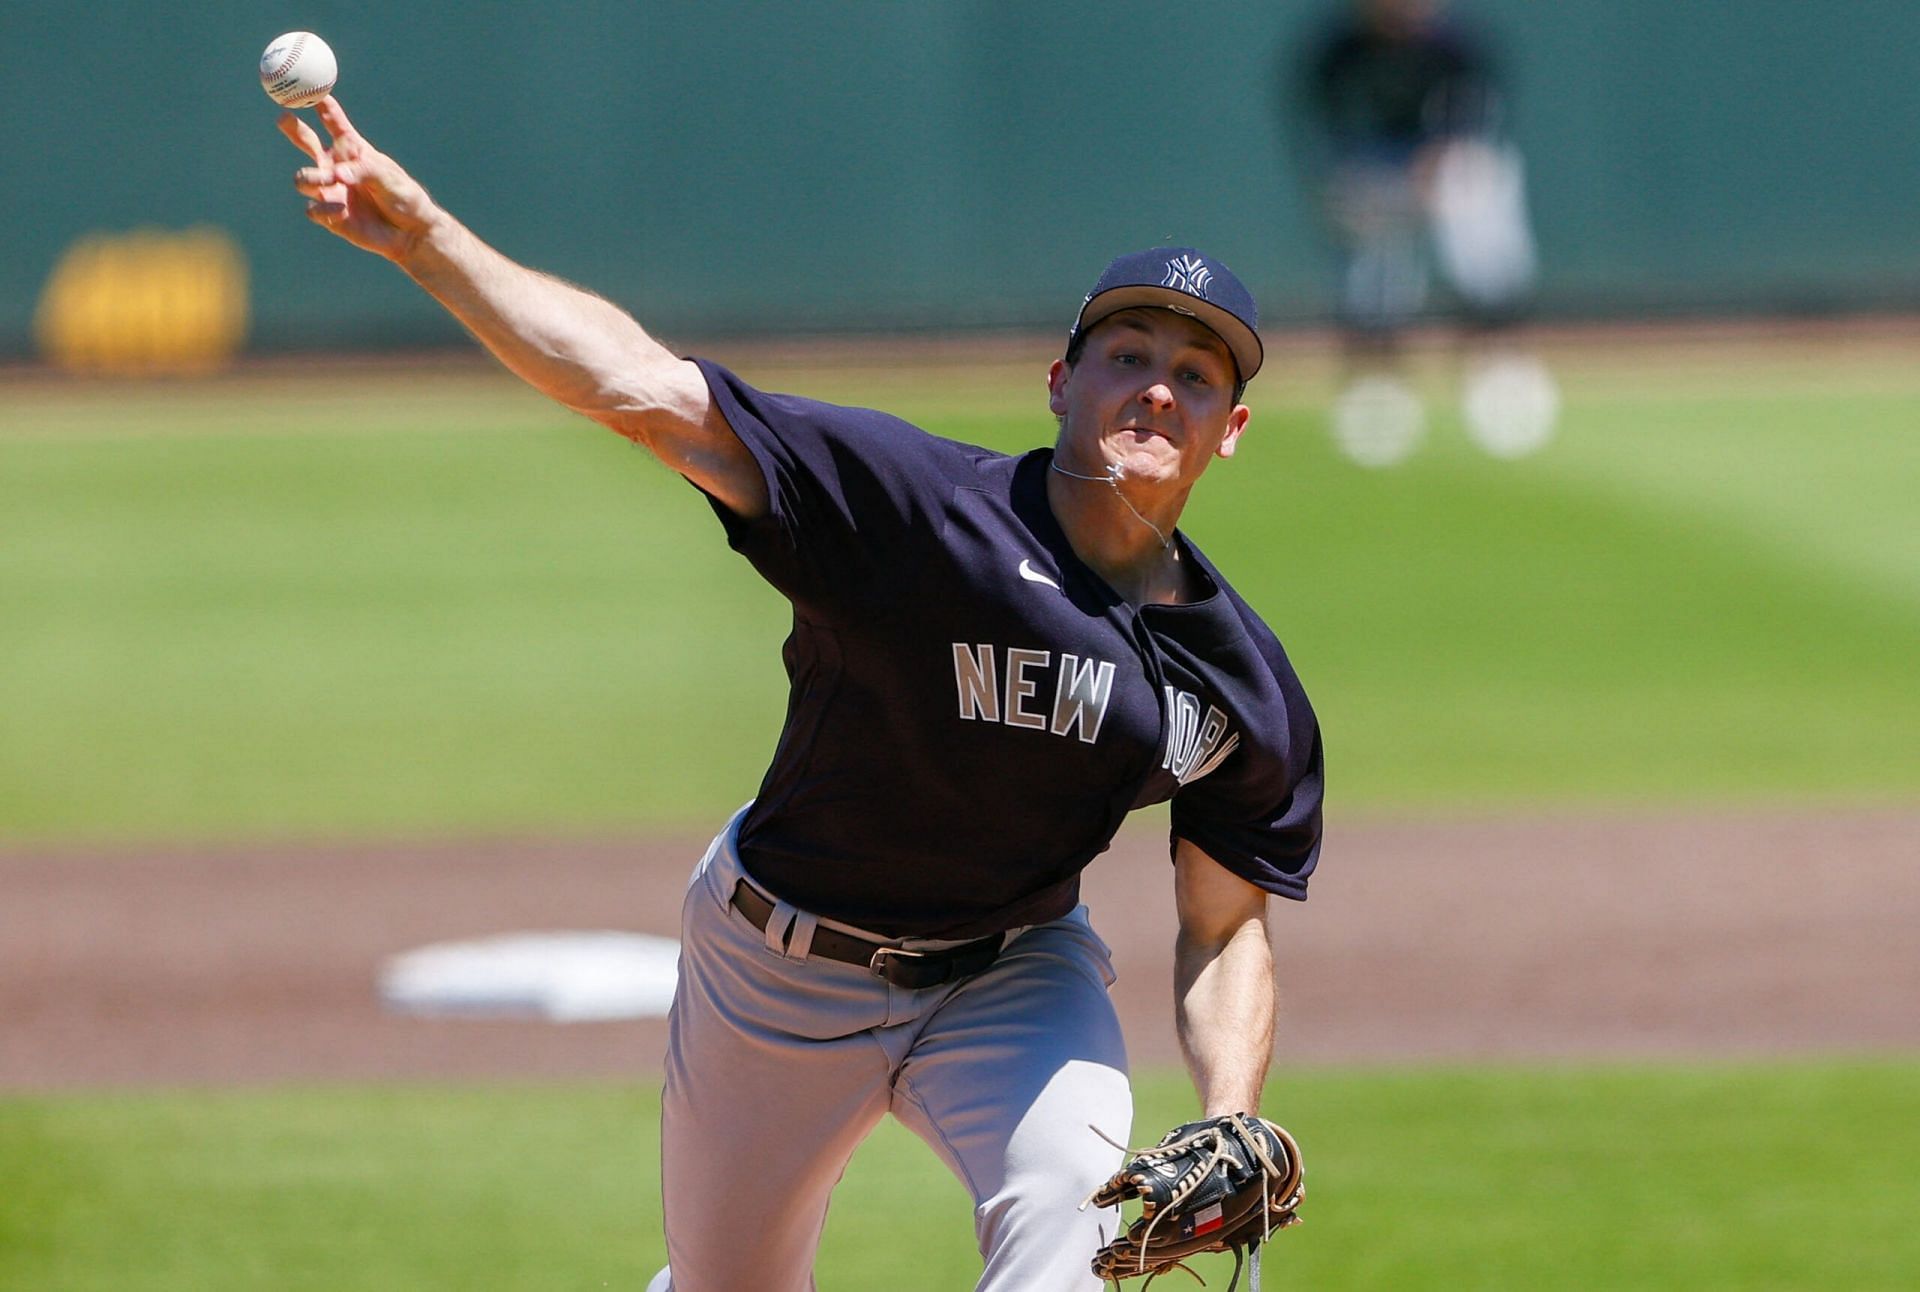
x=1224, y=1184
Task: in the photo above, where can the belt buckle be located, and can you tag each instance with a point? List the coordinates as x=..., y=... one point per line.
x=884, y=959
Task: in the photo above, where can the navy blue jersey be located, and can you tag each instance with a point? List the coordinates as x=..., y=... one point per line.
x=973, y=710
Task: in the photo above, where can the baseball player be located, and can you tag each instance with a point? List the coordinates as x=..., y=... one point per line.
x=993, y=660
x=1399, y=122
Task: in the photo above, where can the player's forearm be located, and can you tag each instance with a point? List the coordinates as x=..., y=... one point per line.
x=1223, y=1013
x=567, y=343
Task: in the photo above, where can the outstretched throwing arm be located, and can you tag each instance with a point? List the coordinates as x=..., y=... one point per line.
x=569, y=344
x=1223, y=982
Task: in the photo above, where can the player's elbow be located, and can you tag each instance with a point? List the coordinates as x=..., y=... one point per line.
x=650, y=401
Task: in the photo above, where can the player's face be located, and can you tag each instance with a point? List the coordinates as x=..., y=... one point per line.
x=1151, y=391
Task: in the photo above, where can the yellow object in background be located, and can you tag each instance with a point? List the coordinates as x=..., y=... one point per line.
x=145, y=303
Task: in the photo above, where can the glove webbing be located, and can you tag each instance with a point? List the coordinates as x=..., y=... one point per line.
x=1252, y=1260
x=1184, y=1187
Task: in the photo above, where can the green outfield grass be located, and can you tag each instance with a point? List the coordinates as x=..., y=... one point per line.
x=387, y=607
x=1732, y=1178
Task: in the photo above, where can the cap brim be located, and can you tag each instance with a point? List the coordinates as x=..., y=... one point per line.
x=1242, y=341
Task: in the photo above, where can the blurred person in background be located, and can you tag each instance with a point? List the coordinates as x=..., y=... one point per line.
x=1398, y=120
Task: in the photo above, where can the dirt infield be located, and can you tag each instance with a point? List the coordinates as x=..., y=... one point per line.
x=1684, y=935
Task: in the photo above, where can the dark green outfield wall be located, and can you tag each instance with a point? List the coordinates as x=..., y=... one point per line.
x=855, y=163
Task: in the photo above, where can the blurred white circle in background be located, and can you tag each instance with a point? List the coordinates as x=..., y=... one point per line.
x=1511, y=404
x=1378, y=421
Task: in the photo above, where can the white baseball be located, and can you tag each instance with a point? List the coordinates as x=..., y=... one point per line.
x=298, y=70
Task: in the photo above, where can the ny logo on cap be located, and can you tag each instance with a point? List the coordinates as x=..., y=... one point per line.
x=1188, y=274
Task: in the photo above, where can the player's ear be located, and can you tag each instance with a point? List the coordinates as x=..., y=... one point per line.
x=1236, y=426
x=1057, y=388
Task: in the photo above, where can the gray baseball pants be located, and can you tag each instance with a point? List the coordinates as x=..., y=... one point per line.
x=778, y=1065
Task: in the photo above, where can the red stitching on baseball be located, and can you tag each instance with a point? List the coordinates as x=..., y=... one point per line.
x=293, y=56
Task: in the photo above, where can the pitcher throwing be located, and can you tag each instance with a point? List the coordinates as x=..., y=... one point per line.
x=993, y=660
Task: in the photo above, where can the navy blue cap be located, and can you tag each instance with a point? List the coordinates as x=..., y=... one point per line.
x=1182, y=280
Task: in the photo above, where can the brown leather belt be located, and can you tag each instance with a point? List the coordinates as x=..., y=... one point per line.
x=901, y=966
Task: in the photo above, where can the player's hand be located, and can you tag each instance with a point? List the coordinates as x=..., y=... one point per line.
x=356, y=190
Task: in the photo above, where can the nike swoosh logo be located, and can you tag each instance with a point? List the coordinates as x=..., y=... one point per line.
x=1032, y=575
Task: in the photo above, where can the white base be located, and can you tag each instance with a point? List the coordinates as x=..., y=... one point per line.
x=561, y=977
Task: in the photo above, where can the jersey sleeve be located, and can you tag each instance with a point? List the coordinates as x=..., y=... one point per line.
x=849, y=489
x=1258, y=813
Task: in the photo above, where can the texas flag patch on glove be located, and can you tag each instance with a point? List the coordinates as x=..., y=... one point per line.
x=1203, y=1221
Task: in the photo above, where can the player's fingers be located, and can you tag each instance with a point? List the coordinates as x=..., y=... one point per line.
x=302, y=136
x=327, y=213
x=334, y=118
x=311, y=179
x=372, y=173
